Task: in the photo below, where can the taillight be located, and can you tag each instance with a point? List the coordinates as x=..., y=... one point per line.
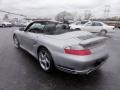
x=77, y=52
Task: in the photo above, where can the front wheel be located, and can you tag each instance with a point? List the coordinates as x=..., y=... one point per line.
x=45, y=60
x=103, y=32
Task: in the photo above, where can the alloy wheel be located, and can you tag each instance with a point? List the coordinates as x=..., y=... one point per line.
x=44, y=60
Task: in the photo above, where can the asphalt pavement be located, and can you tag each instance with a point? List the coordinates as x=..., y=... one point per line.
x=20, y=71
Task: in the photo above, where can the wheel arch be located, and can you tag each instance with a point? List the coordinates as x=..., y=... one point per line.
x=49, y=51
x=42, y=46
x=78, y=28
x=104, y=30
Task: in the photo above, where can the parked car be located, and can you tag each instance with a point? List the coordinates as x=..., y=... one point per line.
x=73, y=51
x=95, y=26
x=5, y=24
x=78, y=24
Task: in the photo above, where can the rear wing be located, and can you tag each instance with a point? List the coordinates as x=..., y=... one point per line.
x=93, y=40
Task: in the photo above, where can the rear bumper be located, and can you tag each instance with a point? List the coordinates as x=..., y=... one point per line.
x=111, y=30
x=99, y=62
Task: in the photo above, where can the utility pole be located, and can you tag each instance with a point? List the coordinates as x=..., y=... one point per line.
x=106, y=11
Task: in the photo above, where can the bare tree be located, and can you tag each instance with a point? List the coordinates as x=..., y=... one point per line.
x=6, y=17
x=64, y=16
x=87, y=15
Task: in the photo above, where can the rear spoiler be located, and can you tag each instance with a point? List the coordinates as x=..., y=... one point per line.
x=93, y=40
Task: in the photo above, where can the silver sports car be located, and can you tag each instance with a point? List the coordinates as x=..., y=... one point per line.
x=58, y=46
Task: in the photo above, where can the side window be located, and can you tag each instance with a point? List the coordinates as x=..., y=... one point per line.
x=96, y=24
x=78, y=23
x=99, y=24
x=36, y=28
x=83, y=22
x=88, y=24
x=93, y=24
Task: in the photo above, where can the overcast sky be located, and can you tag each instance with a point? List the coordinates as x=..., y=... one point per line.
x=38, y=8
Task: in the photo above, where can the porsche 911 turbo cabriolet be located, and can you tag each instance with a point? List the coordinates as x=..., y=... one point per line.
x=57, y=46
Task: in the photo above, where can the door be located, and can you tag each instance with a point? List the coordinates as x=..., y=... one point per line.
x=93, y=26
x=96, y=27
x=30, y=37
x=87, y=27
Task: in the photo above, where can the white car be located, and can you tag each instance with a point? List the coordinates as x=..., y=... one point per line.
x=78, y=24
x=5, y=24
x=95, y=26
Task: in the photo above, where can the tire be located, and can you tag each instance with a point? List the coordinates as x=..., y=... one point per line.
x=16, y=42
x=3, y=25
x=77, y=29
x=45, y=60
x=103, y=32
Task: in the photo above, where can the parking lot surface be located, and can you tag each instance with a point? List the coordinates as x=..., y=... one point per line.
x=20, y=71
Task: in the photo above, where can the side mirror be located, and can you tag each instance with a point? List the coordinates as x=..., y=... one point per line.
x=22, y=29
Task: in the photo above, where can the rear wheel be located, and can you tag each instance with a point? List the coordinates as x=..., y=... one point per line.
x=45, y=60
x=16, y=42
x=103, y=32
